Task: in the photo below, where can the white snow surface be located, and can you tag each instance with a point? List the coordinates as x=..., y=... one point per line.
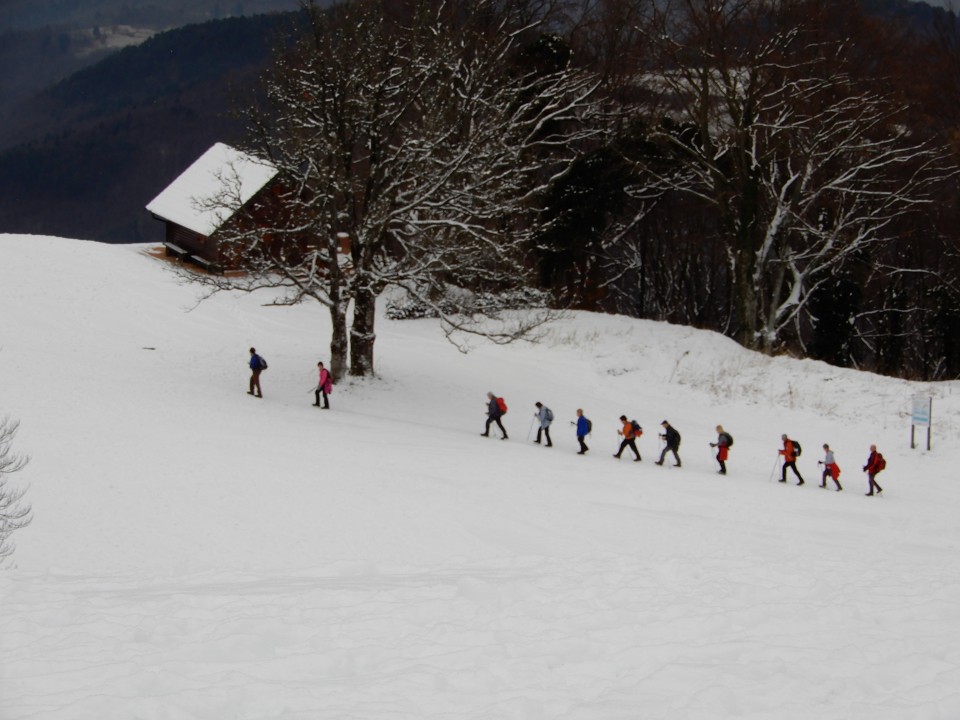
x=199, y=553
x=207, y=194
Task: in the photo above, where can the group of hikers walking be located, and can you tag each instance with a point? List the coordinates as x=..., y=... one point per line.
x=831, y=471
x=322, y=390
x=631, y=431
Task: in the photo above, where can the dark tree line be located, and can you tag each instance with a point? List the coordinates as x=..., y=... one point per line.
x=783, y=172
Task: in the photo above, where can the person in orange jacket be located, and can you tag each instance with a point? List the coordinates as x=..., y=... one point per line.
x=629, y=439
x=789, y=460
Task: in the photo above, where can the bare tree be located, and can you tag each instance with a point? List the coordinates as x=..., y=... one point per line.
x=804, y=167
x=423, y=133
x=14, y=514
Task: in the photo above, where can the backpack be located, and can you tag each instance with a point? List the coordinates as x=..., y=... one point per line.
x=796, y=448
x=501, y=403
x=589, y=425
x=635, y=427
x=729, y=438
x=549, y=415
x=880, y=463
x=263, y=363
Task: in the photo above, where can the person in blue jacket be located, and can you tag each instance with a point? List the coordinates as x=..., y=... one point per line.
x=256, y=367
x=494, y=413
x=583, y=429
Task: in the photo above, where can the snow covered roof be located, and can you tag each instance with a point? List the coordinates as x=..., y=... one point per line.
x=212, y=189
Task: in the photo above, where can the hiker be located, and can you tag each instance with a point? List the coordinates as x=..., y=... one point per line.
x=545, y=415
x=723, y=443
x=257, y=365
x=496, y=408
x=324, y=386
x=583, y=429
x=875, y=463
x=790, y=454
x=672, y=439
x=630, y=432
x=830, y=468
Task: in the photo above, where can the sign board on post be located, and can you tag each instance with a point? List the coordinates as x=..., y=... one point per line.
x=921, y=413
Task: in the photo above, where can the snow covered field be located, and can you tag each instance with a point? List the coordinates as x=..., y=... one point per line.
x=198, y=553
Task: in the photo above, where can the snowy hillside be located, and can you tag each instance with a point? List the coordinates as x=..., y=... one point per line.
x=199, y=553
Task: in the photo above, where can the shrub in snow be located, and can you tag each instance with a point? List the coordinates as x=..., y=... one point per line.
x=455, y=301
x=13, y=513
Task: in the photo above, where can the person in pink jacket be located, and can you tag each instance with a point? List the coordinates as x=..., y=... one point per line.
x=324, y=386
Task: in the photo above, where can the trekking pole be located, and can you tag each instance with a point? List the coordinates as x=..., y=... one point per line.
x=713, y=455
x=773, y=470
x=530, y=430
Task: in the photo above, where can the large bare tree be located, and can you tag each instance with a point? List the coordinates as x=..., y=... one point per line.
x=423, y=133
x=804, y=166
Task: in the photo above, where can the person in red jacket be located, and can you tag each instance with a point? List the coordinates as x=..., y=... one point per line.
x=629, y=439
x=875, y=463
x=789, y=460
x=324, y=387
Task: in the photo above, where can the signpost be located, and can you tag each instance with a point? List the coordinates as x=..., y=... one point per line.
x=921, y=416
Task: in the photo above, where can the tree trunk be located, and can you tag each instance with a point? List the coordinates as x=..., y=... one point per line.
x=745, y=299
x=362, y=334
x=339, y=345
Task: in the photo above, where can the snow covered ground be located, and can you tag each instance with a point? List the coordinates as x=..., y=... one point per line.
x=198, y=553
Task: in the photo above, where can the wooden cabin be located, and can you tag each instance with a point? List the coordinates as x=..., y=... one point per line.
x=205, y=197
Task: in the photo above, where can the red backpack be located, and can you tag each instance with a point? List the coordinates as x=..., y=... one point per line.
x=880, y=463
x=502, y=405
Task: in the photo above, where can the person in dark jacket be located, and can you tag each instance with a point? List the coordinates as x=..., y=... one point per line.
x=672, y=442
x=494, y=413
x=583, y=429
x=629, y=439
x=789, y=453
x=723, y=448
x=256, y=367
x=872, y=467
x=545, y=416
x=324, y=386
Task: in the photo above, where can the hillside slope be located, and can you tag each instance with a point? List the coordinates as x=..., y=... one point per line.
x=200, y=553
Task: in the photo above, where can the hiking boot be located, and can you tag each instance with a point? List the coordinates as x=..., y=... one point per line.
x=616, y=456
x=637, y=459
x=581, y=452
x=800, y=483
x=484, y=434
x=678, y=465
x=659, y=462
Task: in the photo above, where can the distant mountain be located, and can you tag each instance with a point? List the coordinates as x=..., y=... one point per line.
x=83, y=158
